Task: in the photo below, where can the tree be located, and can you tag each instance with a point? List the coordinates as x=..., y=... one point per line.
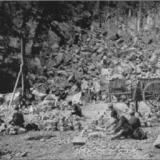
x=20, y=21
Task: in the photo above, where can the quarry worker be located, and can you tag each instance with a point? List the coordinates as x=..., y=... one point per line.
x=134, y=121
x=121, y=128
x=126, y=128
x=17, y=118
x=137, y=131
x=113, y=111
x=137, y=96
x=77, y=110
x=91, y=90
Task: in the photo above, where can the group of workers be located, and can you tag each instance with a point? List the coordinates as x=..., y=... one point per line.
x=19, y=121
x=123, y=127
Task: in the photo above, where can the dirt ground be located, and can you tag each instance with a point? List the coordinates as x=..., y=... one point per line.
x=59, y=144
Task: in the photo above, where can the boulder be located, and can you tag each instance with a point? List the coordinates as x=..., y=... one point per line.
x=59, y=58
x=51, y=97
x=122, y=108
x=38, y=135
x=76, y=98
x=79, y=140
x=157, y=142
x=144, y=109
x=11, y=130
x=50, y=125
x=105, y=72
x=84, y=85
x=23, y=154
x=2, y=127
x=47, y=106
x=38, y=94
x=31, y=126
x=96, y=134
x=8, y=97
x=96, y=85
x=14, y=42
x=21, y=130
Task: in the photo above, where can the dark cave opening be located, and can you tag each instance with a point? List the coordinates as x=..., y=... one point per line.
x=7, y=82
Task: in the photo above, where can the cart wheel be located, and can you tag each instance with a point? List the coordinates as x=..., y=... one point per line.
x=151, y=93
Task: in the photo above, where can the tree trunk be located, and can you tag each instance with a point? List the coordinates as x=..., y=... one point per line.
x=100, y=19
x=98, y=12
x=129, y=13
x=22, y=62
x=108, y=19
x=139, y=17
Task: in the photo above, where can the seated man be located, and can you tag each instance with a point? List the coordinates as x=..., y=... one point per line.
x=113, y=111
x=134, y=121
x=77, y=110
x=122, y=128
x=137, y=131
x=17, y=118
x=121, y=124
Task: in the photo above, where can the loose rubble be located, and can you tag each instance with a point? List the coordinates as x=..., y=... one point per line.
x=74, y=66
x=157, y=142
x=83, y=75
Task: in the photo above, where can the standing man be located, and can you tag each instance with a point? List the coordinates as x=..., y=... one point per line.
x=97, y=89
x=137, y=96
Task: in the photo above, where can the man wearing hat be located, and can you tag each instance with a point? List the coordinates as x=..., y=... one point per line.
x=137, y=131
x=17, y=118
x=133, y=120
x=122, y=127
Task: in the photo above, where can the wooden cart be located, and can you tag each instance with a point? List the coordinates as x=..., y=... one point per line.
x=118, y=87
x=147, y=89
x=150, y=90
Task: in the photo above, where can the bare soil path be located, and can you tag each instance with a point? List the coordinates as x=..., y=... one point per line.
x=59, y=145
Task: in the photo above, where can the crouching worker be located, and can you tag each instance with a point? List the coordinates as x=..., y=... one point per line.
x=114, y=122
x=137, y=131
x=134, y=121
x=121, y=126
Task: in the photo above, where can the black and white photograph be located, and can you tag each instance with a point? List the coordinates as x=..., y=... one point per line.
x=79, y=80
